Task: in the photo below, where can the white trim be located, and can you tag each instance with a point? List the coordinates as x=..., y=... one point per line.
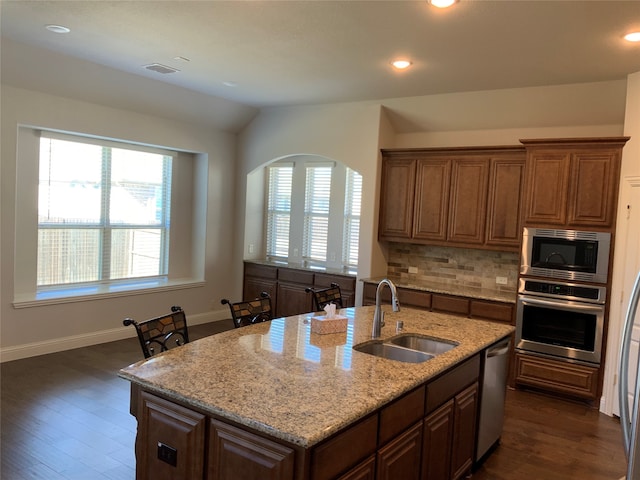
x=33, y=349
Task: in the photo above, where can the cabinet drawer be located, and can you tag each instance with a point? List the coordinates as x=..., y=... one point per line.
x=449, y=384
x=414, y=298
x=445, y=303
x=501, y=312
x=324, y=280
x=263, y=271
x=295, y=276
x=561, y=377
x=344, y=450
x=401, y=414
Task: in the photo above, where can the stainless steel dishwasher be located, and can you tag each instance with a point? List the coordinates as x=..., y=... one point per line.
x=495, y=365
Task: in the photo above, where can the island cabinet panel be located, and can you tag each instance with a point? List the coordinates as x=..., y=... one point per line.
x=235, y=453
x=170, y=441
x=401, y=457
x=437, y=441
x=401, y=414
x=396, y=202
x=572, y=182
x=347, y=449
x=364, y=471
x=464, y=431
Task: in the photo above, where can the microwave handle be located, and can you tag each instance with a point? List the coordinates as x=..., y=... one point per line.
x=550, y=303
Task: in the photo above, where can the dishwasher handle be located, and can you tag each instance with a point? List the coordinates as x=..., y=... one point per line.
x=498, y=350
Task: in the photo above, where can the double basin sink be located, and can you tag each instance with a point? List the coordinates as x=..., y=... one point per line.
x=408, y=348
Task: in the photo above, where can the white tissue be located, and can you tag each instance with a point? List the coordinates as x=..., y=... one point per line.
x=330, y=310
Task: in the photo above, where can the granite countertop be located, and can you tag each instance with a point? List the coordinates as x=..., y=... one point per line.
x=280, y=379
x=300, y=266
x=451, y=289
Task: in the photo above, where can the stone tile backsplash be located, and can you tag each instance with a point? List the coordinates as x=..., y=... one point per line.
x=460, y=266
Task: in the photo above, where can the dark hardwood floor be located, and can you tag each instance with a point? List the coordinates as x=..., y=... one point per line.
x=66, y=416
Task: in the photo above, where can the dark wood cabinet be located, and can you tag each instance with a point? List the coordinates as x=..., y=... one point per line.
x=437, y=441
x=235, y=453
x=287, y=287
x=432, y=199
x=396, y=198
x=463, y=444
x=572, y=182
x=401, y=457
x=170, y=441
x=468, y=201
x=460, y=196
x=506, y=183
x=364, y=471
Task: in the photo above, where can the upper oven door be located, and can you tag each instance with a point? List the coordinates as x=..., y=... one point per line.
x=566, y=254
x=561, y=328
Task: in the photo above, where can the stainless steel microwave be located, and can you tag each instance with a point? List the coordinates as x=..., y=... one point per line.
x=567, y=254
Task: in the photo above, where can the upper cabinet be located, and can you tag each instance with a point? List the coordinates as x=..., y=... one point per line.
x=466, y=197
x=572, y=182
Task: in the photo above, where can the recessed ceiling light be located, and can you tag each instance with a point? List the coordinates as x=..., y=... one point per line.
x=442, y=3
x=159, y=68
x=182, y=59
x=632, y=37
x=58, y=29
x=230, y=84
x=401, y=64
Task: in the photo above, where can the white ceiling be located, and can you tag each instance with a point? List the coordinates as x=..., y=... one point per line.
x=309, y=52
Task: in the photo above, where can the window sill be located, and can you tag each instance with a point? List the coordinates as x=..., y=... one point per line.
x=100, y=291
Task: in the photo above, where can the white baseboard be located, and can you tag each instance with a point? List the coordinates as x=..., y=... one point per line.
x=61, y=344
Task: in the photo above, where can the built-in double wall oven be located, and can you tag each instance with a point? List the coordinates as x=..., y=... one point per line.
x=562, y=319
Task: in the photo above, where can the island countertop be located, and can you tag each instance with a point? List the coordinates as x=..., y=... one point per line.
x=301, y=387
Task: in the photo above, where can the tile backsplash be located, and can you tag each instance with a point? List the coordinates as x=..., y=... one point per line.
x=460, y=266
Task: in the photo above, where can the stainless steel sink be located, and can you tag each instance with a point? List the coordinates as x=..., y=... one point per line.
x=408, y=348
x=393, y=352
x=421, y=343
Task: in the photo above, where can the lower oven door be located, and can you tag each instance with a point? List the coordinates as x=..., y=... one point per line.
x=562, y=328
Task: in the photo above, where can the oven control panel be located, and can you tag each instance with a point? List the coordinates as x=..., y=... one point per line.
x=569, y=291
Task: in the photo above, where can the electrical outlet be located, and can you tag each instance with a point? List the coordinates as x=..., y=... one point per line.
x=252, y=248
x=413, y=269
x=295, y=252
x=502, y=280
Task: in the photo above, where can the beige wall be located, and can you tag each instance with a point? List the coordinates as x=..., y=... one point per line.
x=41, y=329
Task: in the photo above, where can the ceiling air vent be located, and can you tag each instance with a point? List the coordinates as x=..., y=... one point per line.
x=159, y=68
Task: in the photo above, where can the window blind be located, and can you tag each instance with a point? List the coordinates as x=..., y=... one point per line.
x=352, y=208
x=316, y=212
x=279, y=209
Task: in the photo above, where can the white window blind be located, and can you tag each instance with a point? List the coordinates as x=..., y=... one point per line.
x=352, y=206
x=279, y=209
x=103, y=211
x=316, y=212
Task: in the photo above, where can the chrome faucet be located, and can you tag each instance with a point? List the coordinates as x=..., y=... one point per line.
x=378, y=316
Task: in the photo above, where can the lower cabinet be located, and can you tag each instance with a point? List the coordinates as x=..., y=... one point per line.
x=428, y=433
x=235, y=453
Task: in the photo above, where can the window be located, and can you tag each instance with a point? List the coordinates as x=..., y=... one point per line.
x=279, y=209
x=316, y=213
x=352, y=205
x=103, y=211
x=313, y=213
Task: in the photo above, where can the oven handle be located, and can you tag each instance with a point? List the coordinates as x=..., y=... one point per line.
x=581, y=307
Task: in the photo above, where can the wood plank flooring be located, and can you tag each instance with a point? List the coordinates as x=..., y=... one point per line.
x=66, y=416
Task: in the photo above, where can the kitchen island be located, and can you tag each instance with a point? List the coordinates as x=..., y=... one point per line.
x=274, y=400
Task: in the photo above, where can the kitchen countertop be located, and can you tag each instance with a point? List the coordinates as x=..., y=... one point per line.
x=300, y=266
x=451, y=289
x=280, y=379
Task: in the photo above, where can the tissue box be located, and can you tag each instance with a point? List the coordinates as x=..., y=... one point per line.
x=324, y=325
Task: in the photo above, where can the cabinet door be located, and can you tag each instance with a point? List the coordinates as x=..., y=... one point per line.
x=464, y=431
x=593, y=188
x=365, y=471
x=293, y=300
x=468, y=200
x=236, y=453
x=170, y=441
x=436, y=449
x=505, y=198
x=433, y=179
x=396, y=198
x=401, y=457
x=547, y=183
